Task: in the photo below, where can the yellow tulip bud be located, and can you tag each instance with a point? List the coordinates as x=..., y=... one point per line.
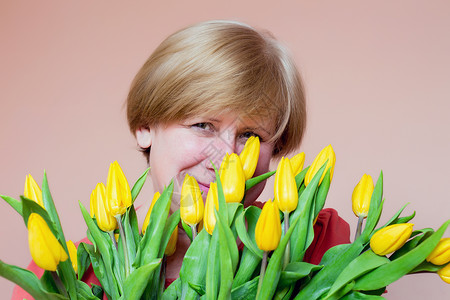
x=73, y=255
x=441, y=254
x=249, y=156
x=149, y=212
x=118, y=191
x=191, y=202
x=327, y=153
x=101, y=210
x=33, y=191
x=390, y=238
x=209, y=219
x=444, y=273
x=45, y=249
x=361, y=196
x=172, y=244
x=285, y=188
x=268, y=227
x=233, y=178
x=297, y=162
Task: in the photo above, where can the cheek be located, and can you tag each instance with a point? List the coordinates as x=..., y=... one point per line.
x=265, y=156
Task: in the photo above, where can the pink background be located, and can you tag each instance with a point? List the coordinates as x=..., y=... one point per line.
x=377, y=77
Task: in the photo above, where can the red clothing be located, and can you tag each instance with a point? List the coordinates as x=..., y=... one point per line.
x=330, y=230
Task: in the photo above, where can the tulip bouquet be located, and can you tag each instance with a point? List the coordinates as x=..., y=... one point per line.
x=235, y=252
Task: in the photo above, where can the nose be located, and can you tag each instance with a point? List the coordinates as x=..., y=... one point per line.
x=222, y=144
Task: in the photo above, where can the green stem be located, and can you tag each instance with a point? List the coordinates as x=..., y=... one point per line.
x=113, y=238
x=162, y=280
x=263, y=271
x=59, y=284
x=194, y=231
x=287, y=252
x=124, y=245
x=359, y=227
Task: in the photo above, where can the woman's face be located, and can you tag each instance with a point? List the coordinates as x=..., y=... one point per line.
x=190, y=145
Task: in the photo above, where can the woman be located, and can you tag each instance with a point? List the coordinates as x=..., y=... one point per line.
x=202, y=93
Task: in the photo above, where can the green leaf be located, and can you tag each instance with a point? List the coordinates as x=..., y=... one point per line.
x=83, y=260
x=374, y=210
x=171, y=223
x=68, y=273
x=129, y=238
x=419, y=236
x=322, y=193
x=136, y=282
x=138, y=185
x=243, y=234
x=273, y=271
x=295, y=271
x=333, y=254
x=15, y=204
x=338, y=258
x=361, y=296
x=85, y=292
x=48, y=282
x=255, y=180
x=364, y=263
x=193, y=268
x=226, y=260
x=228, y=237
x=426, y=267
x=101, y=259
x=223, y=210
x=300, y=177
x=250, y=258
x=212, y=269
x=149, y=247
x=394, y=270
x=233, y=210
x=187, y=229
x=303, y=233
x=29, y=207
x=245, y=291
x=173, y=292
x=199, y=288
x=28, y=281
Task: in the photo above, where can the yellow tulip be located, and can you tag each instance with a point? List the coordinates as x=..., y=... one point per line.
x=268, y=227
x=191, y=202
x=444, y=273
x=249, y=156
x=327, y=153
x=101, y=210
x=361, y=196
x=285, y=188
x=45, y=249
x=149, y=212
x=390, y=238
x=209, y=219
x=33, y=191
x=233, y=178
x=118, y=191
x=172, y=244
x=441, y=254
x=297, y=162
x=73, y=255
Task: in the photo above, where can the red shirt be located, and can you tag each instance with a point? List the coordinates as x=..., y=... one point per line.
x=330, y=230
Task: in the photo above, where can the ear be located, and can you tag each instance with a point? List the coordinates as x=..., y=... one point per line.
x=144, y=137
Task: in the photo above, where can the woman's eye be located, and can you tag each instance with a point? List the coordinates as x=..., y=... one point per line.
x=203, y=126
x=249, y=134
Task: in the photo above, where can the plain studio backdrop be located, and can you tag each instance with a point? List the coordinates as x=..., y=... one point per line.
x=377, y=76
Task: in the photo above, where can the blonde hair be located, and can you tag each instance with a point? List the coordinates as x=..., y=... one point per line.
x=215, y=66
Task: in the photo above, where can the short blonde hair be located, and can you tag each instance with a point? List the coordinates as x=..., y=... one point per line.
x=215, y=66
